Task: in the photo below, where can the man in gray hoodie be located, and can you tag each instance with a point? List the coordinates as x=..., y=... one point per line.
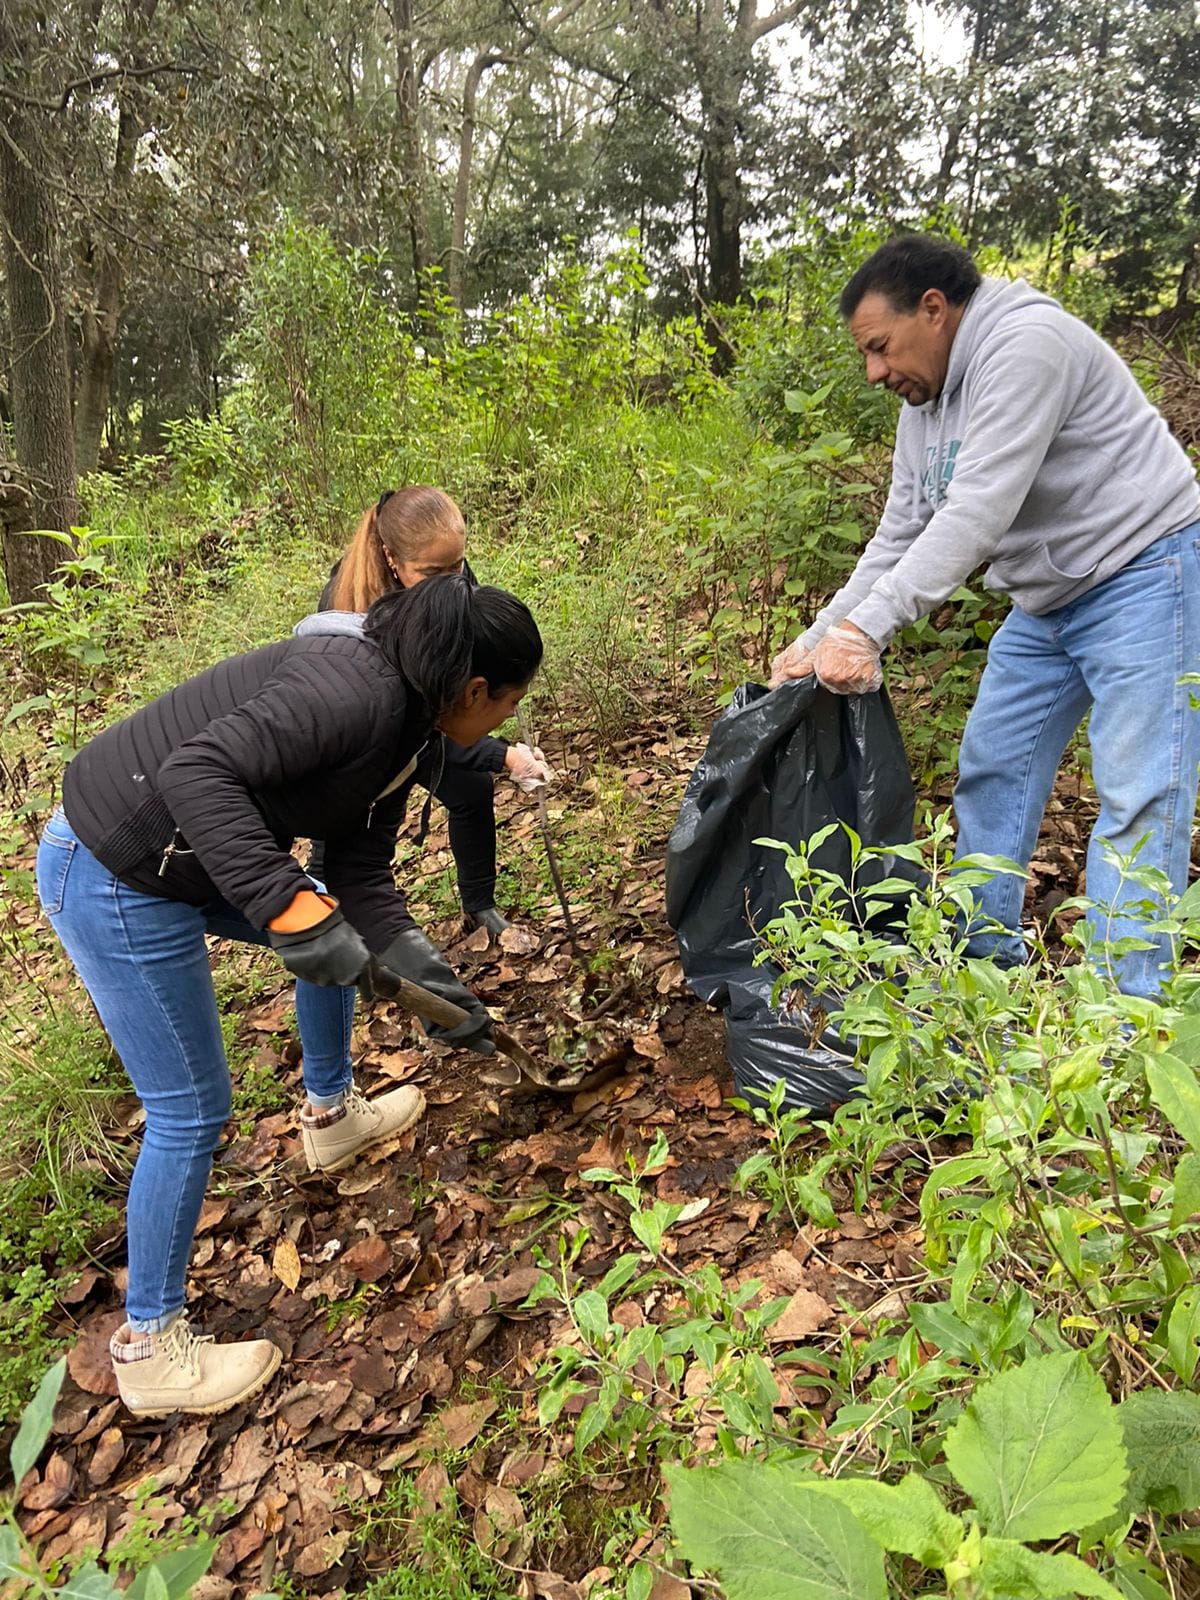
x=1025, y=443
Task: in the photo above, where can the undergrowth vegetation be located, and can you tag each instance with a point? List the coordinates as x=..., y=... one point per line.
x=671, y=531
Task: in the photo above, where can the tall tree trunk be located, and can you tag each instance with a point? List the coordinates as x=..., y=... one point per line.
x=723, y=58
x=408, y=134
x=41, y=379
x=958, y=119
x=457, y=260
x=101, y=318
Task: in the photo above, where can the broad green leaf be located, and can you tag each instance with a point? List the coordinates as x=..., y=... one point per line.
x=639, y=1582
x=1162, y=1443
x=1174, y=1090
x=591, y=1313
x=936, y=1323
x=1186, y=1043
x=179, y=1571
x=1183, y=1333
x=1138, y=1578
x=592, y=1422
x=768, y=1536
x=1079, y=1071
x=1011, y=1571
x=951, y=1174
x=35, y=1421
x=1185, y=1202
x=1040, y=1450
x=907, y=1517
x=89, y=1583
x=11, y=1552
x=622, y=1271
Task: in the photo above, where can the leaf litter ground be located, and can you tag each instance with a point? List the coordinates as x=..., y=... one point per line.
x=396, y=1289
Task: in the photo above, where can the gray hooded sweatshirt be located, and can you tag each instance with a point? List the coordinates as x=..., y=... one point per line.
x=1041, y=456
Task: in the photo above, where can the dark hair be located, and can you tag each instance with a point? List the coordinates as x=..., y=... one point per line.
x=902, y=269
x=445, y=631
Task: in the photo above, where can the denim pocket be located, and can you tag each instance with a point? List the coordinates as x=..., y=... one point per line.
x=53, y=863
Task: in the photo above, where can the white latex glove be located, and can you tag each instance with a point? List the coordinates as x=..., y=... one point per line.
x=794, y=662
x=527, y=768
x=847, y=661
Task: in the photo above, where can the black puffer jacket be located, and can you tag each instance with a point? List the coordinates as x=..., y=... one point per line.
x=201, y=793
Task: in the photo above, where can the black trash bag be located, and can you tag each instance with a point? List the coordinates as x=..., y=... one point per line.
x=781, y=764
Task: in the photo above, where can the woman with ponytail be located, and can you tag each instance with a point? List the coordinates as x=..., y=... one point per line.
x=410, y=535
x=179, y=821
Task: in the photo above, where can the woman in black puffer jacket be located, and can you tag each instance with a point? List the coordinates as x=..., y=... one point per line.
x=179, y=821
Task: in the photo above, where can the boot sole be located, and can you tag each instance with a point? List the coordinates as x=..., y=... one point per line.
x=219, y=1406
x=343, y=1162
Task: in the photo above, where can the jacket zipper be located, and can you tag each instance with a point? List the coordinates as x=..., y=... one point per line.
x=406, y=771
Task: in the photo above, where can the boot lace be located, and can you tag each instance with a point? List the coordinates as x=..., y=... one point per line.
x=357, y=1104
x=180, y=1344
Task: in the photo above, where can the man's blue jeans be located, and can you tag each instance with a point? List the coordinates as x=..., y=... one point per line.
x=1120, y=650
x=145, y=964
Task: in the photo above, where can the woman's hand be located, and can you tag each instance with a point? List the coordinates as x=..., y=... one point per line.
x=315, y=942
x=527, y=768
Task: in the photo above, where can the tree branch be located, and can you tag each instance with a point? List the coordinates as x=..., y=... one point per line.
x=766, y=25
x=93, y=80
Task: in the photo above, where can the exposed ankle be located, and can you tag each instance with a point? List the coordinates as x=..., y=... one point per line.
x=323, y=1116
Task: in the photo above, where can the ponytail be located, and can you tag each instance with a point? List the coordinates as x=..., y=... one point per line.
x=402, y=524
x=363, y=575
x=442, y=633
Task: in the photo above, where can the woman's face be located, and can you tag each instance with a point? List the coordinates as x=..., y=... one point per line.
x=479, y=712
x=441, y=557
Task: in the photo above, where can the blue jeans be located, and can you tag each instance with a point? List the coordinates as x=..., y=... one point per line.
x=145, y=964
x=1120, y=651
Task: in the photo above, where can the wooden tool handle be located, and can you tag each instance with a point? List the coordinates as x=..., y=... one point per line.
x=423, y=1002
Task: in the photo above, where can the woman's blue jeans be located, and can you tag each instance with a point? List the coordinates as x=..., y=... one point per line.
x=1119, y=651
x=145, y=964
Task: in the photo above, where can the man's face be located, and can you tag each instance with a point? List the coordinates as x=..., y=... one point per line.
x=909, y=351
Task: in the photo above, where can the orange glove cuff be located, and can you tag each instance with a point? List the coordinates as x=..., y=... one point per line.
x=305, y=911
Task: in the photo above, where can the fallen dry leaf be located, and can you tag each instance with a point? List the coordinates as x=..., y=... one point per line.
x=804, y=1313
x=460, y=1424
x=369, y=1259
x=107, y=1456
x=286, y=1263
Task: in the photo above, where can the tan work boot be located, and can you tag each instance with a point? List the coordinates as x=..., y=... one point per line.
x=332, y=1141
x=183, y=1371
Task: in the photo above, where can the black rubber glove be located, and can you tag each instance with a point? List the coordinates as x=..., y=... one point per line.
x=411, y=955
x=330, y=953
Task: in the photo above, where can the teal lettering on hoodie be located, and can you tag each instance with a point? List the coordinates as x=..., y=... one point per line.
x=1041, y=460
x=935, y=480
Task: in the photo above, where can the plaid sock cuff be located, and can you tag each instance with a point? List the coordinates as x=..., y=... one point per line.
x=324, y=1117
x=137, y=1347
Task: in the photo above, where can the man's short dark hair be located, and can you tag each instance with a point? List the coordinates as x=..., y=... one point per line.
x=902, y=269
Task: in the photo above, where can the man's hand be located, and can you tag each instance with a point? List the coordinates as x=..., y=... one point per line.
x=794, y=662
x=847, y=661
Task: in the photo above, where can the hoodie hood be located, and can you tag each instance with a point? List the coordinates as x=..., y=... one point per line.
x=994, y=300
x=347, y=623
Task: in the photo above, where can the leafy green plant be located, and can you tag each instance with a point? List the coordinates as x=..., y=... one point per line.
x=1043, y=1456
x=1060, y=1228
x=70, y=632
x=765, y=540
x=170, y=1577
x=647, y=1382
